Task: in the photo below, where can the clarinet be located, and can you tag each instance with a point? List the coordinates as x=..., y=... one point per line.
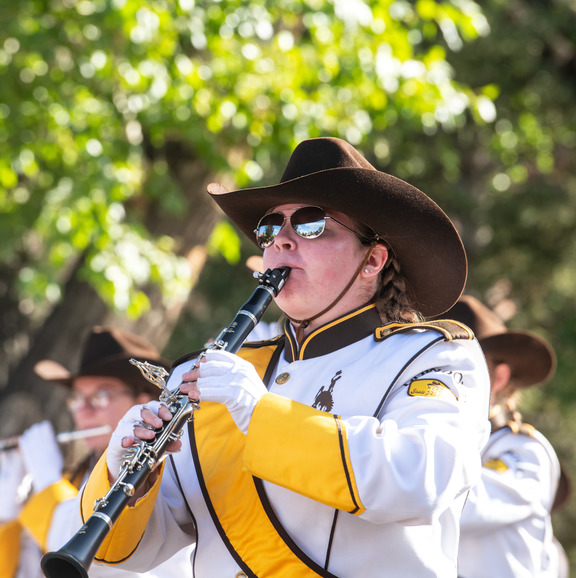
x=74, y=558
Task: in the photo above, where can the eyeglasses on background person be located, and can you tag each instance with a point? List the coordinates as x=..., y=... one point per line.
x=99, y=399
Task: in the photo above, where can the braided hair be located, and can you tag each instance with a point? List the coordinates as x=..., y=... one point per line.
x=392, y=296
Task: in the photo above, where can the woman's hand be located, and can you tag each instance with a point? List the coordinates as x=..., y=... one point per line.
x=227, y=379
x=42, y=457
x=139, y=423
x=12, y=474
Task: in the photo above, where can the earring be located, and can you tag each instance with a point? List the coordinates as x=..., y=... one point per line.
x=367, y=270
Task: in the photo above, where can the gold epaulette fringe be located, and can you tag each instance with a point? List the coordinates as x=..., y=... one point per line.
x=448, y=328
x=521, y=428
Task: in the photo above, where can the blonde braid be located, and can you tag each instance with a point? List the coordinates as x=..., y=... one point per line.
x=391, y=298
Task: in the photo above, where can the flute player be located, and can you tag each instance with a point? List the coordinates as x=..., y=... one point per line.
x=99, y=393
x=345, y=447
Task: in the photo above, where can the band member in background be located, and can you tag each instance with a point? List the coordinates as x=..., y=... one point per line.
x=506, y=524
x=103, y=389
x=345, y=447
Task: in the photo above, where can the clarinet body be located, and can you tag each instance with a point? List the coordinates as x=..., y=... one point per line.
x=75, y=557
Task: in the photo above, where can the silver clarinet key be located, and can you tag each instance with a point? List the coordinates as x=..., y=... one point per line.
x=153, y=373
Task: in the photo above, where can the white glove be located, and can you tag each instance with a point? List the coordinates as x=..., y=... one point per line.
x=229, y=379
x=41, y=454
x=116, y=454
x=11, y=476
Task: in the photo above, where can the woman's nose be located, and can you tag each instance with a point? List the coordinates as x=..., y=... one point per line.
x=286, y=237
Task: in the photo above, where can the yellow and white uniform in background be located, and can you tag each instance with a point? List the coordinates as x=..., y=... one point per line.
x=43, y=523
x=506, y=521
x=357, y=462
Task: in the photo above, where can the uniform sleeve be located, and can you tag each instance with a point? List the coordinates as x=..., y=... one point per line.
x=519, y=479
x=157, y=528
x=407, y=465
x=38, y=512
x=125, y=535
x=10, y=536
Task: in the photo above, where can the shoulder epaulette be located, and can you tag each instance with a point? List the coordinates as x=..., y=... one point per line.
x=448, y=328
x=521, y=428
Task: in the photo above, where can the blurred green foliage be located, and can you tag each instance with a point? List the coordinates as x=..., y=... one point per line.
x=473, y=103
x=88, y=85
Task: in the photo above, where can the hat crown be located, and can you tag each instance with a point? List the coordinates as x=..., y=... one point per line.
x=482, y=320
x=322, y=154
x=530, y=357
x=108, y=343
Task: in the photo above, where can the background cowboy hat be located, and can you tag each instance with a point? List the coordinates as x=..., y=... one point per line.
x=531, y=359
x=106, y=352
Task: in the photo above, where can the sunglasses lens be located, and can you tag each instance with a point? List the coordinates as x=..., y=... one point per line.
x=268, y=227
x=309, y=222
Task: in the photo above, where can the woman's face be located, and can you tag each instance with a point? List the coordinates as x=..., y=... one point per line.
x=321, y=268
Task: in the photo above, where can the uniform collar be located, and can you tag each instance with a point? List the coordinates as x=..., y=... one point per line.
x=334, y=335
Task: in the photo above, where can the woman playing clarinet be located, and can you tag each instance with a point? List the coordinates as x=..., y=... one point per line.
x=346, y=446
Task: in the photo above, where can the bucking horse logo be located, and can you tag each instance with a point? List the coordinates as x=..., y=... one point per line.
x=324, y=400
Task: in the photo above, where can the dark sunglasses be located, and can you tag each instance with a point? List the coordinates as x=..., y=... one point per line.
x=308, y=222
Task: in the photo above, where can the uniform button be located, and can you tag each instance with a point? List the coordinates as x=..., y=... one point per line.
x=282, y=378
x=241, y=575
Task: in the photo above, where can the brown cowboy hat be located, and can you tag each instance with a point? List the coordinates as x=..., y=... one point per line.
x=107, y=352
x=331, y=173
x=531, y=358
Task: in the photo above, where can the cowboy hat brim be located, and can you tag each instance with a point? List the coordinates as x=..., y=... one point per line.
x=422, y=237
x=531, y=359
x=118, y=367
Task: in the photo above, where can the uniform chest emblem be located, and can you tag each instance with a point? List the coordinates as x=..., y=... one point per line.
x=430, y=388
x=324, y=400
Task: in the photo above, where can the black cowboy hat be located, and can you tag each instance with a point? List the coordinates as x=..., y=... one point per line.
x=531, y=359
x=106, y=352
x=332, y=174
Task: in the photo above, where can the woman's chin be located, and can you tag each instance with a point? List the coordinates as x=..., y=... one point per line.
x=297, y=314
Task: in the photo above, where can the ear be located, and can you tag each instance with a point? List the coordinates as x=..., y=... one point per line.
x=500, y=377
x=376, y=261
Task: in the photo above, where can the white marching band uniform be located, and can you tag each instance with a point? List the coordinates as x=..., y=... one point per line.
x=44, y=524
x=357, y=462
x=506, y=521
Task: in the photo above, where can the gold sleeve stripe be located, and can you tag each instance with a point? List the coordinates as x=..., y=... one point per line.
x=10, y=533
x=123, y=539
x=324, y=475
x=36, y=515
x=346, y=460
x=96, y=487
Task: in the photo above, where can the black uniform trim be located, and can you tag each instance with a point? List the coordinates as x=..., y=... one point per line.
x=285, y=536
x=333, y=335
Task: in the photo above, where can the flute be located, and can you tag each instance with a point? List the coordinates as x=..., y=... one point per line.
x=63, y=437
